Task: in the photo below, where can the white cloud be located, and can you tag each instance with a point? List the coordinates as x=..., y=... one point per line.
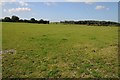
x=20, y=2
x=13, y=10
x=99, y=7
x=23, y=3
x=2, y=3
x=4, y=10
x=7, y=0
x=13, y=0
x=90, y=3
x=49, y=3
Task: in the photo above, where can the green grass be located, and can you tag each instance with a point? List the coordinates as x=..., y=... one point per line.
x=57, y=50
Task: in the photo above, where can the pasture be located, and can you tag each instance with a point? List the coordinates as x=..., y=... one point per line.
x=58, y=50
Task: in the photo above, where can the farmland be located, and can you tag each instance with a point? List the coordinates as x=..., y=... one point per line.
x=58, y=50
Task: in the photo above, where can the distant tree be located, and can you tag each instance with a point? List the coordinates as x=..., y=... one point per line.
x=40, y=21
x=15, y=18
x=21, y=20
x=32, y=20
x=0, y=20
x=48, y=22
x=7, y=19
x=26, y=21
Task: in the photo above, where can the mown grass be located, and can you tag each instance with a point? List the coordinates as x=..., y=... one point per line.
x=57, y=50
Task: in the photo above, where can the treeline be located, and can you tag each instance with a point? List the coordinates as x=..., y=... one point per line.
x=92, y=22
x=41, y=21
x=17, y=19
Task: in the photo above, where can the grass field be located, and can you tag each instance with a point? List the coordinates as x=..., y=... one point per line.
x=57, y=50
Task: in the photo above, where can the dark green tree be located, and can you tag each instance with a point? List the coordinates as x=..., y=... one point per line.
x=32, y=20
x=15, y=18
x=7, y=19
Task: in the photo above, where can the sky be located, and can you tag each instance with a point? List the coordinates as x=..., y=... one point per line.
x=60, y=11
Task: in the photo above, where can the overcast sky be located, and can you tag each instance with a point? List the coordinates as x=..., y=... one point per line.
x=57, y=11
